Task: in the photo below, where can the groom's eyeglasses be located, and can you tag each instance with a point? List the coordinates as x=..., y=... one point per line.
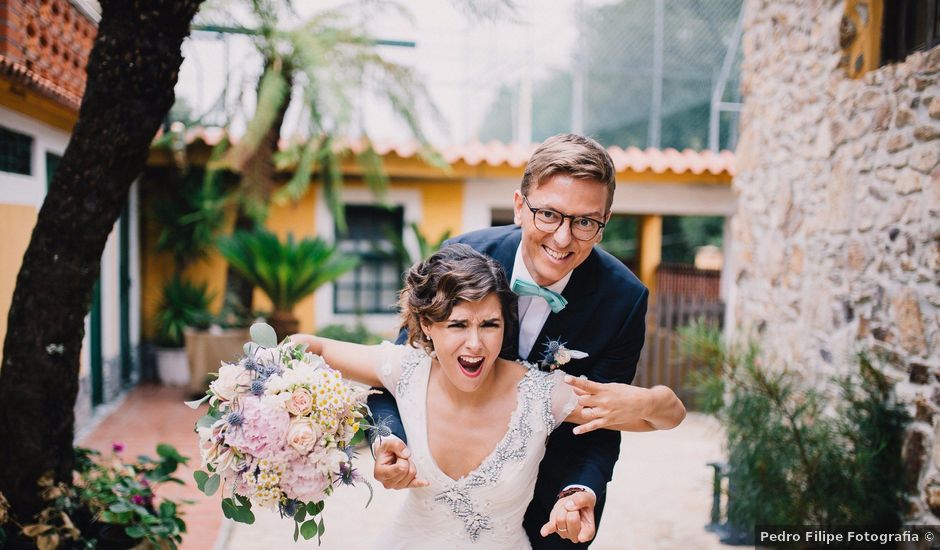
x=583, y=228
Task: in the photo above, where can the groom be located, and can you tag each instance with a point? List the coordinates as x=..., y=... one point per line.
x=572, y=292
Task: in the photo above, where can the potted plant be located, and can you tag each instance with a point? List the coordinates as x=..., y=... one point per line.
x=286, y=271
x=111, y=505
x=184, y=304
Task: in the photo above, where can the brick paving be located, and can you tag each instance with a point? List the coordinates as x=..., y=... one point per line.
x=156, y=414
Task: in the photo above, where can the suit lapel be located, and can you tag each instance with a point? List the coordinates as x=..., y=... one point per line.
x=571, y=321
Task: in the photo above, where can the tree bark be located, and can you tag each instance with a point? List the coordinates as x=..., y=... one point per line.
x=132, y=71
x=256, y=184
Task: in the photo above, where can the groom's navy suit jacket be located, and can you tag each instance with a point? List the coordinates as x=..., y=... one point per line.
x=605, y=318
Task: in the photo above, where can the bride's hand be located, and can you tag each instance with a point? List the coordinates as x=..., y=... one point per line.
x=572, y=517
x=394, y=468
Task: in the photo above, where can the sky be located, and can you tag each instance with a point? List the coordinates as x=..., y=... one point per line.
x=463, y=60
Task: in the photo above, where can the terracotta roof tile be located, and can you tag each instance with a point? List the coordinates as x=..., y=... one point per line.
x=20, y=74
x=499, y=154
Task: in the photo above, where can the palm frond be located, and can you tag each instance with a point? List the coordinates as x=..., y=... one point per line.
x=286, y=271
x=273, y=91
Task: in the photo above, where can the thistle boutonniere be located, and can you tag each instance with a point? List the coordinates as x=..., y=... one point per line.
x=557, y=355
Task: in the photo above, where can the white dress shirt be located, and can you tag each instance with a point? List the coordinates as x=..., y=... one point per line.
x=533, y=310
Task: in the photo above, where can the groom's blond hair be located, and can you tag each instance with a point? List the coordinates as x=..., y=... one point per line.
x=575, y=155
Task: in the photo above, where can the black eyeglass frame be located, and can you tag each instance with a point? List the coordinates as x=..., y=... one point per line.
x=535, y=212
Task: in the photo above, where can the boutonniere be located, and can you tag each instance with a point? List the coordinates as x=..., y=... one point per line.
x=557, y=355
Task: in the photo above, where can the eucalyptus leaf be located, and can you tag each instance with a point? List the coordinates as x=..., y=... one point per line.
x=206, y=421
x=309, y=529
x=296, y=531
x=200, y=478
x=212, y=485
x=263, y=334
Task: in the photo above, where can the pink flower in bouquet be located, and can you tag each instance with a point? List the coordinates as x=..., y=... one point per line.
x=263, y=430
x=300, y=402
x=303, y=480
x=302, y=435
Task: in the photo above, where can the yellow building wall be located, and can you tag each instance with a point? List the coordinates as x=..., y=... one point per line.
x=441, y=206
x=442, y=210
x=16, y=226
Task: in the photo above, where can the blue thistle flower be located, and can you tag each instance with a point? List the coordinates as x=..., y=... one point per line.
x=548, y=356
x=250, y=364
x=347, y=475
x=235, y=419
x=257, y=387
x=288, y=508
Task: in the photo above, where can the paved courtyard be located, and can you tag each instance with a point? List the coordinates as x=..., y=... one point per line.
x=660, y=498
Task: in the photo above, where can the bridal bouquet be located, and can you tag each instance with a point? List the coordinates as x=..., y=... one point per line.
x=279, y=433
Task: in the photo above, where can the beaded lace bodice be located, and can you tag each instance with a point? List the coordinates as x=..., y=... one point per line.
x=484, y=508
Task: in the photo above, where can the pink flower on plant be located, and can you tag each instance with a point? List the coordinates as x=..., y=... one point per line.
x=263, y=431
x=117, y=446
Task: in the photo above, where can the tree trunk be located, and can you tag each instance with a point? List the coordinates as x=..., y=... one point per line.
x=131, y=74
x=255, y=187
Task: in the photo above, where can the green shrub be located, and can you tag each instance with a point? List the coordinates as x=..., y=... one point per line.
x=357, y=334
x=799, y=454
x=184, y=304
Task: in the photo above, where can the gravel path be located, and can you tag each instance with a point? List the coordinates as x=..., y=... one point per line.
x=660, y=498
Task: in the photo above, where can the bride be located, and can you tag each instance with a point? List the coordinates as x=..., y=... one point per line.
x=478, y=419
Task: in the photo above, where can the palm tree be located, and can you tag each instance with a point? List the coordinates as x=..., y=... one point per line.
x=323, y=63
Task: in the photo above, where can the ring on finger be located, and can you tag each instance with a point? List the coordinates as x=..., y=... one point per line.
x=589, y=411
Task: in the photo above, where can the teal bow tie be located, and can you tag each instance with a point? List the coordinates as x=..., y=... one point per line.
x=555, y=300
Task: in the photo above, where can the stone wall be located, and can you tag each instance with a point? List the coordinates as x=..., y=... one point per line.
x=836, y=240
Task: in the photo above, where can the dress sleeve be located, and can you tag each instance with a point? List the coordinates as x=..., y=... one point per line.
x=389, y=367
x=564, y=400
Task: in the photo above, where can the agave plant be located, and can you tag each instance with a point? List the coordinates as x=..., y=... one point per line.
x=286, y=271
x=185, y=304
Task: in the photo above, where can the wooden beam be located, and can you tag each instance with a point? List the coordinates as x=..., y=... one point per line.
x=651, y=249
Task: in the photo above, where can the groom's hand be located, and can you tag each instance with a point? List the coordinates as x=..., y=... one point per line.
x=394, y=468
x=572, y=517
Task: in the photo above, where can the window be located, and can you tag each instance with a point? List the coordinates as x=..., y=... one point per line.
x=16, y=152
x=373, y=286
x=909, y=25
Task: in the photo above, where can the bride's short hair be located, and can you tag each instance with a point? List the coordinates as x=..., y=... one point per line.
x=453, y=274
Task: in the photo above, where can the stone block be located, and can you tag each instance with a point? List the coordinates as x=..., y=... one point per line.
x=908, y=182
x=933, y=108
x=920, y=373
x=924, y=157
x=904, y=117
x=881, y=120
x=897, y=142
x=933, y=190
x=906, y=314
x=927, y=132
x=856, y=257
x=914, y=457
x=923, y=412
x=933, y=497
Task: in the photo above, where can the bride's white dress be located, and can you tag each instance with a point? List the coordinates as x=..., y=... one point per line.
x=483, y=509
